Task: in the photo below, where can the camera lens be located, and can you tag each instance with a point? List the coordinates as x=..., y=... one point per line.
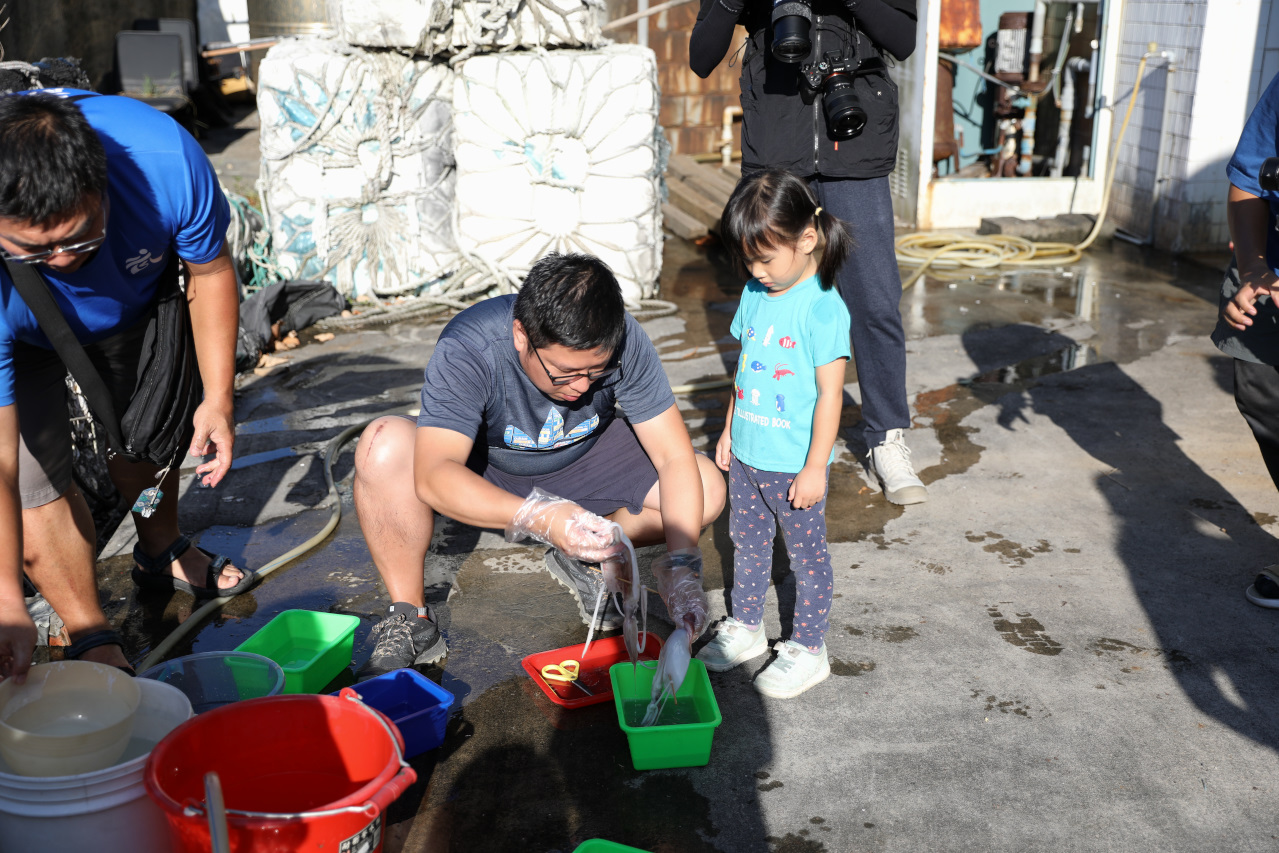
x=792, y=23
x=791, y=42
x=845, y=117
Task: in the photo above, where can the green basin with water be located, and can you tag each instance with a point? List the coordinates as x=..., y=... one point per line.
x=311, y=647
x=683, y=734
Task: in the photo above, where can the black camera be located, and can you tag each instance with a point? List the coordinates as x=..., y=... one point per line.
x=792, y=30
x=1269, y=177
x=833, y=76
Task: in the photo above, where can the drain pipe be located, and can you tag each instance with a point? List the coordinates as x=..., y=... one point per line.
x=726, y=135
x=1170, y=68
x=1074, y=66
x=1025, y=163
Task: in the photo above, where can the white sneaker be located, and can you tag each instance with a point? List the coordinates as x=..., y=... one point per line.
x=890, y=463
x=794, y=670
x=734, y=642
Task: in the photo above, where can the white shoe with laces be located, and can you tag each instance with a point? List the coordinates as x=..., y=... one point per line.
x=890, y=463
x=734, y=643
x=794, y=670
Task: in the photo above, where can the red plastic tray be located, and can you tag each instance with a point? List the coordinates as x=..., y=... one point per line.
x=593, y=673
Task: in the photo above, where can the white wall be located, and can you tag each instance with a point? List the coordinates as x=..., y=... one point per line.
x=1215, y=51
x=223, y=20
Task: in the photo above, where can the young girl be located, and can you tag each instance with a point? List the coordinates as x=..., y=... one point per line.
x=782, y=420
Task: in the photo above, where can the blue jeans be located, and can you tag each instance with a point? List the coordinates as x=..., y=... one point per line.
x=872, y=290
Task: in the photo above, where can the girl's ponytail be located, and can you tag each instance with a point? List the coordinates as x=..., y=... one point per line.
x=834, y=242
x=773, y=208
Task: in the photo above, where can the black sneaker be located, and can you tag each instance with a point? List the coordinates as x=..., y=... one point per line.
x=406, y=637
x=585, y=582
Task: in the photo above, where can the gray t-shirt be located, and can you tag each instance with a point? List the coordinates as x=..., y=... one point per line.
x=474, y=385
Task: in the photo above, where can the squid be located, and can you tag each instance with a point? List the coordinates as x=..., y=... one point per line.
x=672, y=666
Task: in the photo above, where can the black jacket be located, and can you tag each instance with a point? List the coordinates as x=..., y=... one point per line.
x=778, y=128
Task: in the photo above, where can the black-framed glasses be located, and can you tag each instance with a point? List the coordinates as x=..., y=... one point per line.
x=593, y=376
x=81, y=248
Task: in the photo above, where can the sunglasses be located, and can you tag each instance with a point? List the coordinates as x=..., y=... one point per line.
x=593, y=376
x=81, y=248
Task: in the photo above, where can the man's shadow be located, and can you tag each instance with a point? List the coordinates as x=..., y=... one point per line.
x=1187, y=544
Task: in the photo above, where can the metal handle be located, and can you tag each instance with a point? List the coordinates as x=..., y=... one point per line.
x=219, y=837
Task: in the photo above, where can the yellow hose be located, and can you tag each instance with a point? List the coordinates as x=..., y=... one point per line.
x=951, y=251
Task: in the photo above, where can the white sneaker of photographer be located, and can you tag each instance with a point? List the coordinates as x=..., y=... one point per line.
x=890, y=463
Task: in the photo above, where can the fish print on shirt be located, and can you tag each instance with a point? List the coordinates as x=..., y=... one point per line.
x=552, y=434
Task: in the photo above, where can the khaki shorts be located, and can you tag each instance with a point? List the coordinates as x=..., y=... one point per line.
x=44, y=449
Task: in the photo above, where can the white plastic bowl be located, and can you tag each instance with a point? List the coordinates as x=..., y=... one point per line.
x=69, y=717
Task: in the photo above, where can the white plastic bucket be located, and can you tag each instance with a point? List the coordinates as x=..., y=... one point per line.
x=106, y=811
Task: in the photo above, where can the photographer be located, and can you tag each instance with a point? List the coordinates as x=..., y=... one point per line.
x=1248, y=329
x=817, y=100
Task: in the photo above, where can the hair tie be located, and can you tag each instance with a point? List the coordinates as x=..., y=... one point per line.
x=817, y=212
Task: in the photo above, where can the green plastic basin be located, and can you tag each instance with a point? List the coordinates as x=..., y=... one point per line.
x=683, y=734
x=311, y=648
x=597, y=845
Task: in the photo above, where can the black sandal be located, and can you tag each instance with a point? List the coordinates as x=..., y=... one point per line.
x=105, y=637
x=152, y=573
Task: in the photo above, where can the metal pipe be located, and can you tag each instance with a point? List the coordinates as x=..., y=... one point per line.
x=726, y=135
x=1170, y=68
x=1026, y=157
x=1074, y=66
x=1037, y=40
x=641, y=26
x=980, y=72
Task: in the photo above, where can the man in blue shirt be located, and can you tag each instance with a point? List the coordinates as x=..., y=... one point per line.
x=100, y=193
x=1248, y=329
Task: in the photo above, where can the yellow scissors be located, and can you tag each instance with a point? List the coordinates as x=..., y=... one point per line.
x=565, y=672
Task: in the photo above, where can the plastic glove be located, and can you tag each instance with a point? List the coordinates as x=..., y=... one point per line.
x=563, y=524
x=679, y=583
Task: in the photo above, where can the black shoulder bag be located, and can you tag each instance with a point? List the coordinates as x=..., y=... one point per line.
x=157, y=421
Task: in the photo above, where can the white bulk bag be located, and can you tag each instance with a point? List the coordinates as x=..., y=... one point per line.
x=357, y=166
x=560, y=151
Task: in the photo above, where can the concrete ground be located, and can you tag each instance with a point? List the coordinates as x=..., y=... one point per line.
x=1053, y=653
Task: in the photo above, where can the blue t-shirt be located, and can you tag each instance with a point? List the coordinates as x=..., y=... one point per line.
x=785, y=338
x=474, y=385
x=163, y=197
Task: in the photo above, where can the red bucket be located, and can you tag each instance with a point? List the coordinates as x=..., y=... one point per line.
x=298, y=773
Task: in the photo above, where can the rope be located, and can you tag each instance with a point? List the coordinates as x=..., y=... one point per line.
x=952, y=251
x=249, y=241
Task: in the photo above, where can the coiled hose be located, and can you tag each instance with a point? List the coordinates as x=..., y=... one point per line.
x=951, y=251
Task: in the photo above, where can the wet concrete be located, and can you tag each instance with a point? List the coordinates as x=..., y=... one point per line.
x=1053, y=653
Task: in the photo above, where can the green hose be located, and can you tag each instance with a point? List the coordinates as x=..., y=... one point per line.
x=166, y=645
